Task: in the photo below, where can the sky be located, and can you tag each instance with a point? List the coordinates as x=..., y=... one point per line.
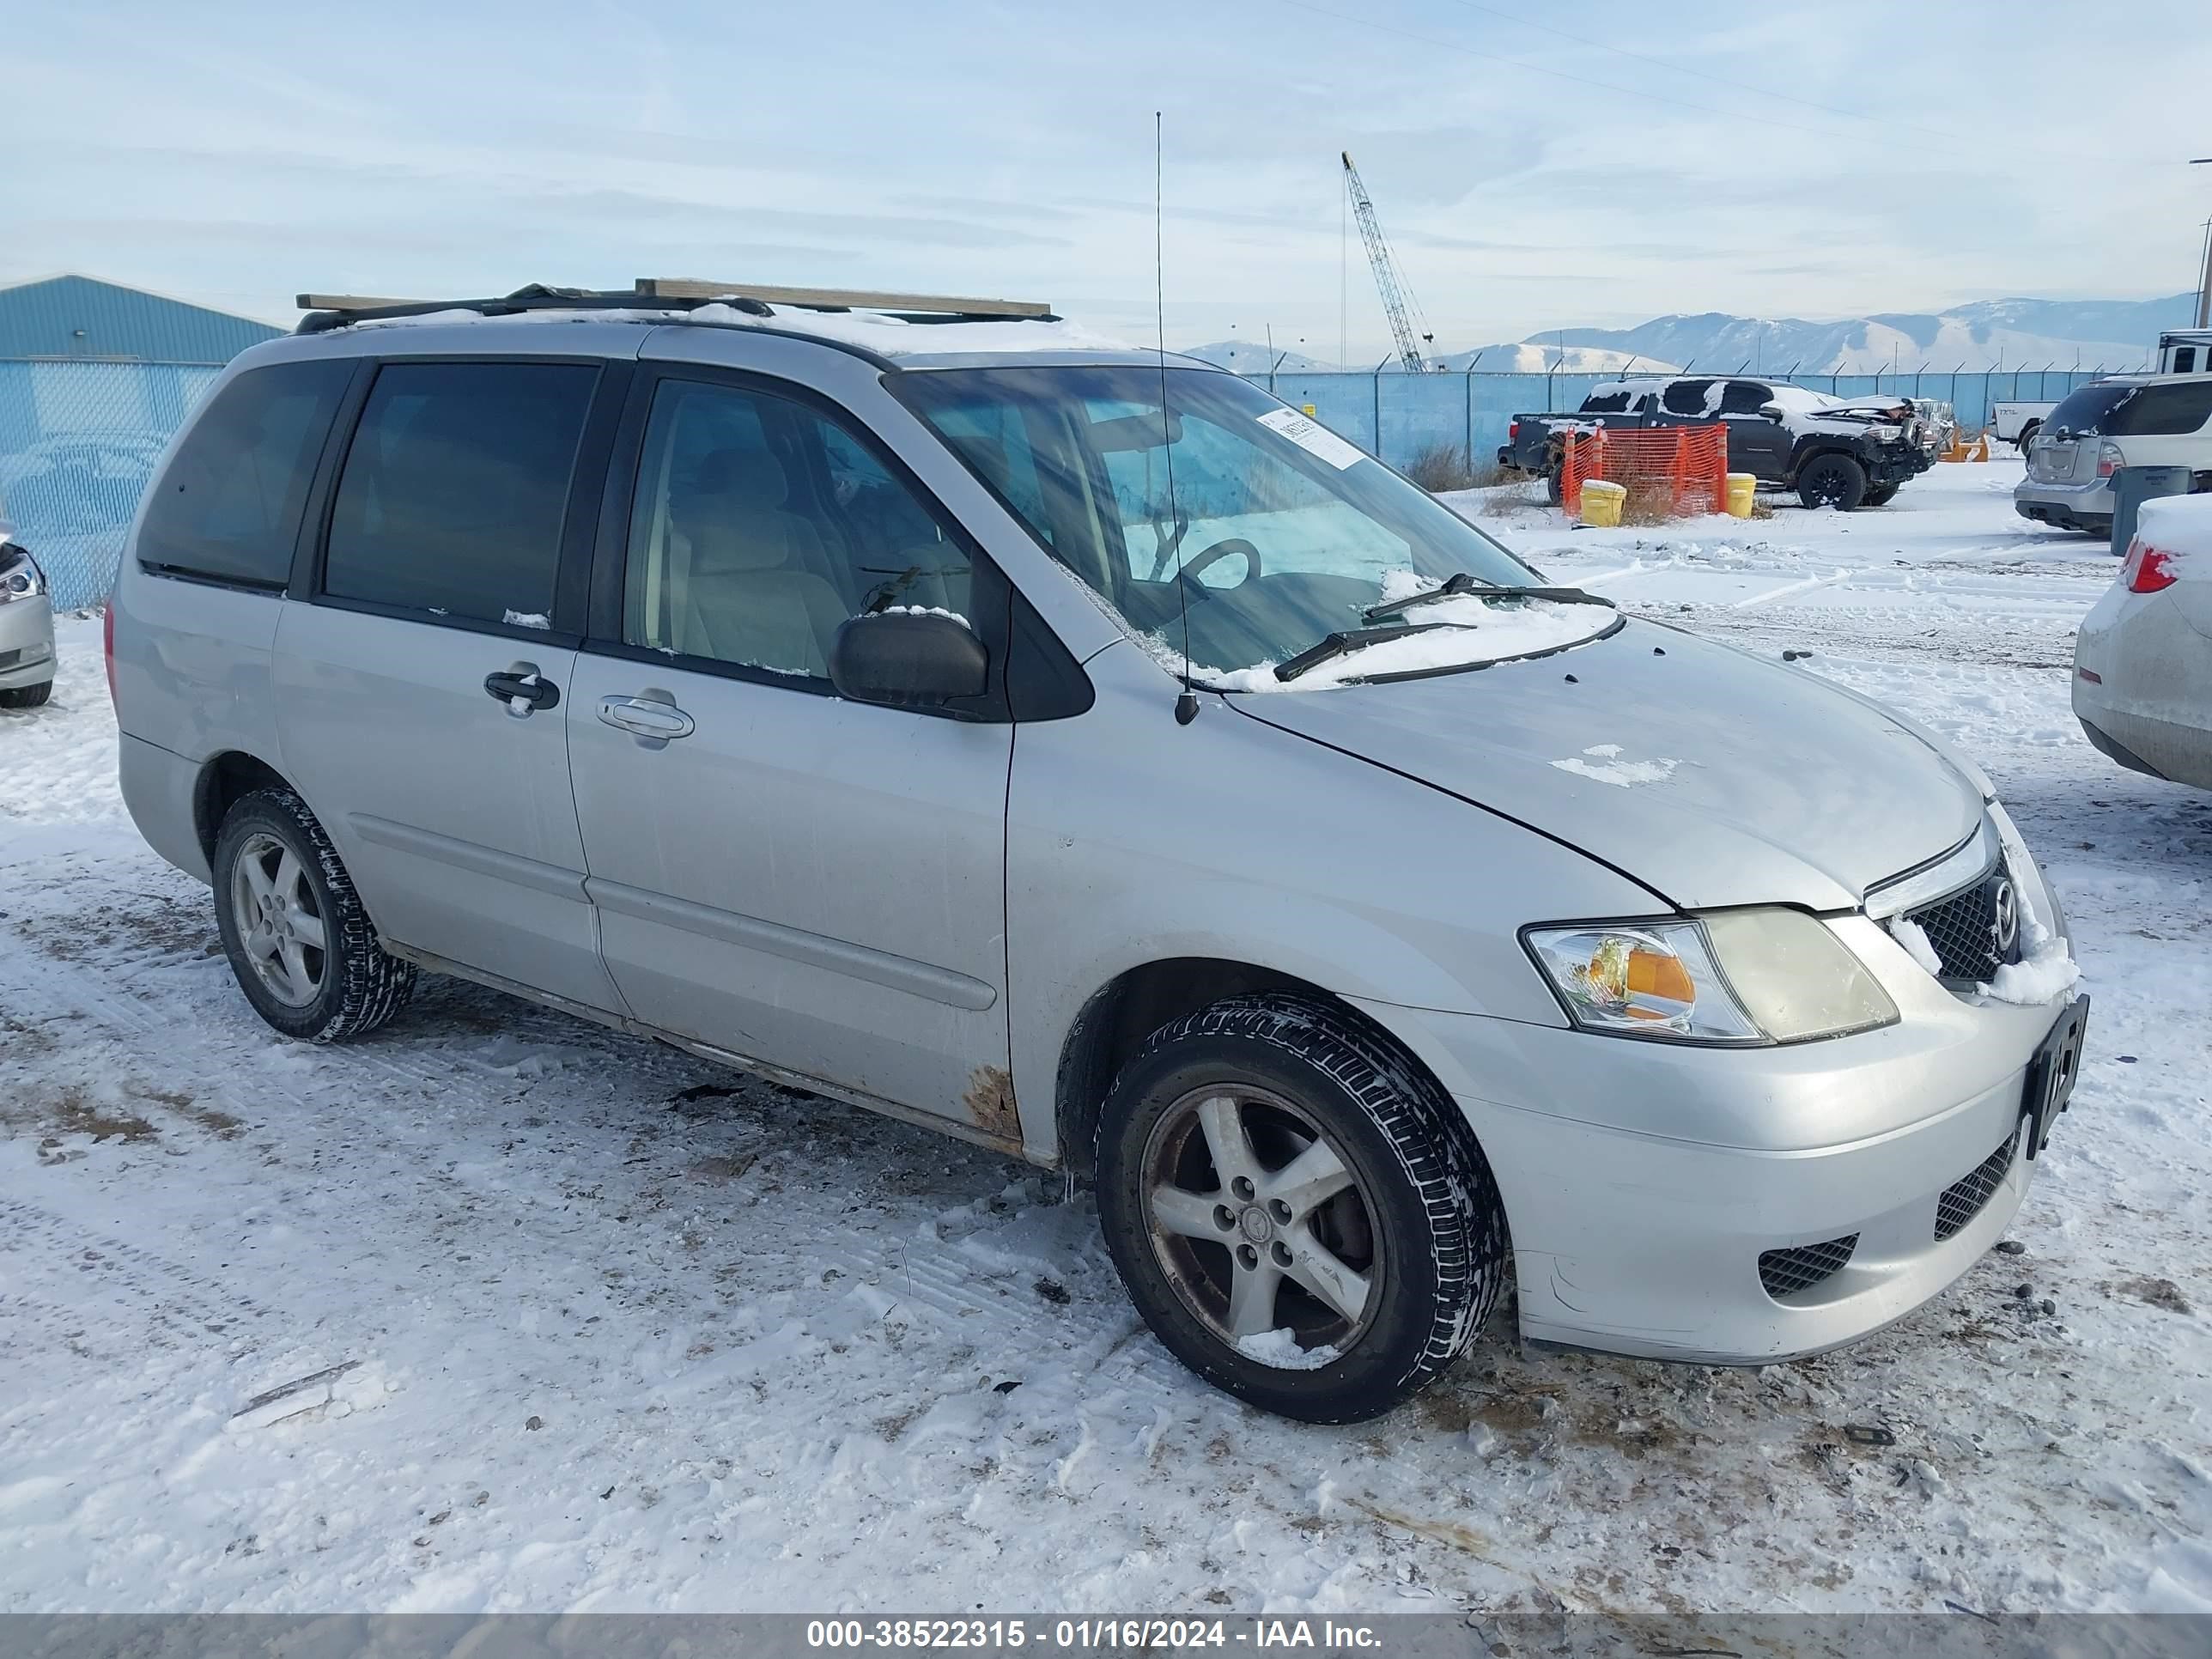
x=1771, y=159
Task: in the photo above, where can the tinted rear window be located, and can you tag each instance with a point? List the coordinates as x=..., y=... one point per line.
x=1604, y=403
x=456, y=487
x=229, y=507
x=2084, y=410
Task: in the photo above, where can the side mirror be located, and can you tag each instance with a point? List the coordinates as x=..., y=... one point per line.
x=909, y=658
x=1773, y=412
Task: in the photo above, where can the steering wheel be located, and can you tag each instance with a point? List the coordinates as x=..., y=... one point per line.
x=1221, y=551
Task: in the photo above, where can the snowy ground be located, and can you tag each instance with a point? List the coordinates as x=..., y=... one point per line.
x=628, y=1331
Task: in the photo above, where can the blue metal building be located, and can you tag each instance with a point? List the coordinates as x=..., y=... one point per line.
x=84, y=317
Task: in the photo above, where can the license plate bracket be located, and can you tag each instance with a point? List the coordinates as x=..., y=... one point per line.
x=2051, y=1073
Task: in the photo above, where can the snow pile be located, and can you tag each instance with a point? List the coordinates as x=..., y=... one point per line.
x=2180, y=527
x=1914, y=938
x=1609, y=767
x=2046, y=971
x=1280, y=1349
x=1480, y=631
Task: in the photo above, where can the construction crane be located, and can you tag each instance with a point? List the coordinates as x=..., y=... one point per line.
x=1398, y=301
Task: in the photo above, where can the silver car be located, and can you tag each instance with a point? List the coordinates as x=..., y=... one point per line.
x=2142, y=660
x=26, y=627
x=1078, y=752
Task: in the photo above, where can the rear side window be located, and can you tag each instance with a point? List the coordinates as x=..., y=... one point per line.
x=455, y=489
x=2161, y=412
x=229, y=507
x=1686, y=397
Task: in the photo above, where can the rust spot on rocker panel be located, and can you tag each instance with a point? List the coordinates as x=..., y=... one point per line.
x=990, y=1103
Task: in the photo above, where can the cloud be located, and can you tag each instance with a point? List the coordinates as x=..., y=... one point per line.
x=1918, y=157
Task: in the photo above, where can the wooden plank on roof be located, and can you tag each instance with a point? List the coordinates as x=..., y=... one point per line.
x=349, y=302
x=664, y=287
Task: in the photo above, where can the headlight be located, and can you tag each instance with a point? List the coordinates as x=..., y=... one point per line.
x=20, y=575
x=1885, y=435
x=1735, y=976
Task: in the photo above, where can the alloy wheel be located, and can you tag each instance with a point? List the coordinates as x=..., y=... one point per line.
x=1262, y=1225
x=280, y=927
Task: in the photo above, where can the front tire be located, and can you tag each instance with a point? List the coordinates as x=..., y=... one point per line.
x=1836, y=480
x=1882, y=494
x=27, y=697
x=1300, y=1214
x=303, y=949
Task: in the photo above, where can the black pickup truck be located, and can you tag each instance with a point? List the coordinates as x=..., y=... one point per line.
x=1834, y=452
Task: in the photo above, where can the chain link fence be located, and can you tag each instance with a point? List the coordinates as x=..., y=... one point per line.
x=1396, y=416
x=78, y=444
x=79, y=440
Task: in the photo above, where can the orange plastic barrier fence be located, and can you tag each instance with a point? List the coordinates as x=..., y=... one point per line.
x=1673, y=470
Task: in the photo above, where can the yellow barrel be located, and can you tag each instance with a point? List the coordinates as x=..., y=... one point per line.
x=1741, y=488
x=1601, y=503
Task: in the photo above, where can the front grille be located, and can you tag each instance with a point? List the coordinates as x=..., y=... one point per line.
x=1968, y=931
x=1966, y=1197
x=1800, y=1268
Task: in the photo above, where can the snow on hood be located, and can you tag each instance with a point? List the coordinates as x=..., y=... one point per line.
x=1480, y=631
x=1710, y=777
x=2180, y=528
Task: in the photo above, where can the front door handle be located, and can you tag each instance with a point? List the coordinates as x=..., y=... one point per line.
x=652, y=717
x=523, y=690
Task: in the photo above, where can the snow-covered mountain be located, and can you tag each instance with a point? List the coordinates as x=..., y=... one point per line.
x=1988, y=334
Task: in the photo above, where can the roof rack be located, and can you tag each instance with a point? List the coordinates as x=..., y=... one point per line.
x=330, y=311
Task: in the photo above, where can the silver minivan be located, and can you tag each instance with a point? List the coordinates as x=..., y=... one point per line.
x=1077, y=750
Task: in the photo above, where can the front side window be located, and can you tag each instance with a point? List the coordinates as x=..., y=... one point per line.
x=229, y=507
x=1276, y=533
x=759, y=526
x=1745, y=398
x=456, y=488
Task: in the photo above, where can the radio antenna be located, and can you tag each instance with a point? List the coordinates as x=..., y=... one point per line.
x=1185, y=709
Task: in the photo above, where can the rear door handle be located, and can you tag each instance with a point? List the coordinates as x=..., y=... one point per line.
x=652, y=717
x=523, y=690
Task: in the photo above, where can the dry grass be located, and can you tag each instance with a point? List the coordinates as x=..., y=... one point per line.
x=1441, y=467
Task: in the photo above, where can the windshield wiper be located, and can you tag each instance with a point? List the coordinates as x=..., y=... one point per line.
x=1348, y=640
x=1463, y=586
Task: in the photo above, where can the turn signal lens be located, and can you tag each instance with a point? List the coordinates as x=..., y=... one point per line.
x=1651, y=980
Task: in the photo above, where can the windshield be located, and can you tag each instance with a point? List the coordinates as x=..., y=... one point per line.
x=1284, y=533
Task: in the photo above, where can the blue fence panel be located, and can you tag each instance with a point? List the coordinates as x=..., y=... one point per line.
x=78, y=442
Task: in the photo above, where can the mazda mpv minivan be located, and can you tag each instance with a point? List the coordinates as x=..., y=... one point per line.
x=1077, y=752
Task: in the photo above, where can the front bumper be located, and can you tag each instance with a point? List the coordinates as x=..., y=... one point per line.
x=1643, y=1182
x=27, y=643
x=2083, y=506
x=1891, y=463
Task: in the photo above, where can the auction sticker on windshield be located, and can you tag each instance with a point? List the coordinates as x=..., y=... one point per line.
x=1313, y=437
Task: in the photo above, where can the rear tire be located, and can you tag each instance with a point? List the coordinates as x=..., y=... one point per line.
x=2026, y=436
x=1554, y=490
x=1391, y=1190
x=27, y=697
x=1833, y=480
x=303, y=949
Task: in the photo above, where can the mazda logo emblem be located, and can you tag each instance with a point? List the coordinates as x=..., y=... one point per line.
x=2005, y=924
